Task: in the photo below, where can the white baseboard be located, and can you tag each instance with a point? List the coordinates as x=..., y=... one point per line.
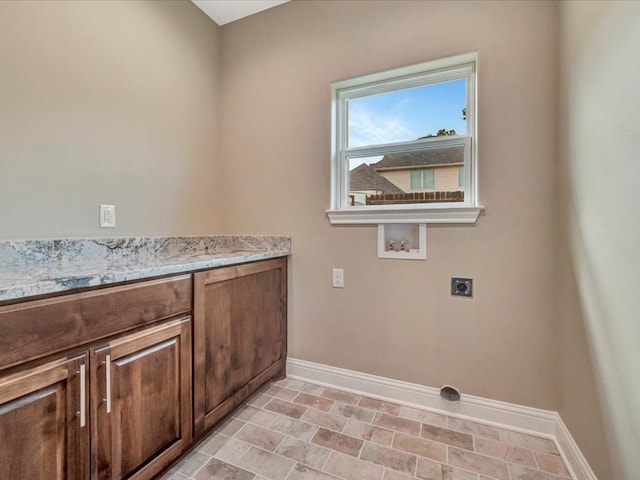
x=571, y=453
x=543, y=423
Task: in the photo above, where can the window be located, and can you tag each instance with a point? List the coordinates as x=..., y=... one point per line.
x=422, y=179
x=403, y=145
x=461, y=176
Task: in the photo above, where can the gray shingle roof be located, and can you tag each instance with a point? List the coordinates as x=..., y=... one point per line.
x=364, y=177
x=432, y=156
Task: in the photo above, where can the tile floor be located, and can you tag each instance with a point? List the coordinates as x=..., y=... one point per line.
x=292, y=430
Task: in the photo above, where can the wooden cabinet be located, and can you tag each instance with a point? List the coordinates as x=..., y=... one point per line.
x=239, y=335
x=99, y=384
x=141, y=402
x=116, y=403
x=43, y=422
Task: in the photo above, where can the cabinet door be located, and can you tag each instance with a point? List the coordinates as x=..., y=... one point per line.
x=43, y=422
x=142, y=404
x=239, y=335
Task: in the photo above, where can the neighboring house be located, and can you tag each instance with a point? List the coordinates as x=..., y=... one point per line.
x=440, y=170
x=432, y=170
x=364, y=181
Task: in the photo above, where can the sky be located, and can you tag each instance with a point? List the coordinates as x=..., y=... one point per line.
x=406, y=115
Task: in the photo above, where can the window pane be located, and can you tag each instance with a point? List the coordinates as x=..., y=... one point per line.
x=416, y=179
x=364, y=181
x=461, y=176
x=401, y=178
x=408, y=114
x=428, y=179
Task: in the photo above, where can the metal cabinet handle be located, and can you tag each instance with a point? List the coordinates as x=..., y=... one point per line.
x=108, y=382
x=83, y=395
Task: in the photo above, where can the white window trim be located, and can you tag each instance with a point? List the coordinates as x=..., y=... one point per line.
x=460, y=66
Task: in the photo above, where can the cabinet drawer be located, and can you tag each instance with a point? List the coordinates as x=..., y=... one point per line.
x=39, y=328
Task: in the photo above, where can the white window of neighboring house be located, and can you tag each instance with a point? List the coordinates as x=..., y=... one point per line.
x=404, y=119
x=422, y=179
x=461, y=176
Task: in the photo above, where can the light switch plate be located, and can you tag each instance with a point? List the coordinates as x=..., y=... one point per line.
x=338, y=278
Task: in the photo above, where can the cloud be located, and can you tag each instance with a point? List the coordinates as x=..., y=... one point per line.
x=370, y=128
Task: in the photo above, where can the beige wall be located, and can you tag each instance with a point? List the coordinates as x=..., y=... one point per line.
x=600, y=163
x=107, y=102
x=397, y=319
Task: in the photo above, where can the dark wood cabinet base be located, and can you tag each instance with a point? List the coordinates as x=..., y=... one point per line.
x=118, y=383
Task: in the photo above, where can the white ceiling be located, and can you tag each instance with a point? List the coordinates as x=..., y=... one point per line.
x=226, y=11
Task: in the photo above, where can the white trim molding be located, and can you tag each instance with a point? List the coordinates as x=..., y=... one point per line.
x=542, y=423
x=405, y=214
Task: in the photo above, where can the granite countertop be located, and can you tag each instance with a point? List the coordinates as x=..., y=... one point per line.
x=36, y=267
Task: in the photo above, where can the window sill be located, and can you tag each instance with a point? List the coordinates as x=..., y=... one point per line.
x=403, y=214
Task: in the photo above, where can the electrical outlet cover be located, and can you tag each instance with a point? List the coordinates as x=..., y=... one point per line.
x=462, y=287
x=107, y=216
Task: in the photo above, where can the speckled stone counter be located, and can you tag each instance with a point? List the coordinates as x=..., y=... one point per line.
x=37, y=267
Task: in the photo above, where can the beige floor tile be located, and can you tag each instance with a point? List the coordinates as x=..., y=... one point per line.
x=282, y=382
x=232, y=450
x=343, y=397
x=551, y=463
x=260, y=437
x=285, y=408
x=369, y=432
x=306, y=387
x=301, y=431
x=193, y=462
x=393, y=475
x=266, y=463
x=475, y=462
x=324, y=419
x=213, y=443
x=430, y=470
x=450, y=437
x=520, y=472
x=389, y=458
x=304, y=452
x=219, y=470
x=173, y=475
x=386, y=407
x=423, y=416
x=255, y=415
x=314, y=401
x=451, y=473
x=281, y=392
x=353, y=411
x=351, y=468
x=302, y=472
x=473, y=428
x=420, y=446
x=294, y=428
x=504, y=451
x=230, y=427
x=338, y=441
x=259, y=400
x=397, y=424
x=528, y=441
